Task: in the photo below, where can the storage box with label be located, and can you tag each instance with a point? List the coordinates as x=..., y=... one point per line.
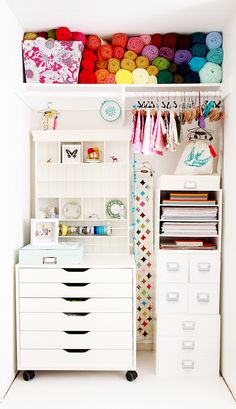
x=62, y=253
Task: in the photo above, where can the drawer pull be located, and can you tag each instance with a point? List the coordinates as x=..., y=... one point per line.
x=76, y=269
x=76, y=284
x=75, y=299
x=190, y=184
x=204, y=266
x=203, y=297
x=49, y=260
x=188, y=325
x=187, y=364
x=172, y=297
x=190, y=345
x=77, y=314
x=173, y=266
x=76, y=351
x=76, y=332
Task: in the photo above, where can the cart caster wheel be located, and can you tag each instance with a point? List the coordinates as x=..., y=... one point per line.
x=28, y=375
x=131, y=376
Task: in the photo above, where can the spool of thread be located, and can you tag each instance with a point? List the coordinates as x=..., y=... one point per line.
x=52, y=34
x=199, y=50
x=192, y=77
x=170, y=40
x=196, y=63
x=119, y=40
x=183, y=68
x=142, y=61
x=101, y=65
x=178, y=79
x=128, y=64
x=118, y=52
x=214, y=40
x=87, y=77
x=215, y=55
x=110, y=79
x=30, y=36
x=150, y=51
x=131, y=55
x=161, y=63
x=167, y=52
x=173, y=67
x=211, y=73
x=113, y=65
x=101, y=75
x=157, y=40
x=182, y=56
x=152, y=70
x=198, y=38
x=152, y=79
x=165, y=77
x=146, y=38
x=105, y=52
x=124, y=77
x=184, y=42
x=87, y=64
x=93, y=42
x=140, y=76
x=135, y=44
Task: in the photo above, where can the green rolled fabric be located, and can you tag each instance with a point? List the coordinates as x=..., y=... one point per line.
x=52, y=34
x=165, y=77
x=178, y=79
x=173, y=67
x=215, y=55
x=161, y=63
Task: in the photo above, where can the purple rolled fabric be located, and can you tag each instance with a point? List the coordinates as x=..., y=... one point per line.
x=167, y=52
x=182, y=56
x=150, y=51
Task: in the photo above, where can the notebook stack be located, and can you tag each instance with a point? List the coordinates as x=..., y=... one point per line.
x=189, y=198
x=186, y=244
x=188, y=229
x=189, y=213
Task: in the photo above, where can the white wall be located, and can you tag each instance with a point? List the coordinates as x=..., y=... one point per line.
x=14, y=185
x=229, y=227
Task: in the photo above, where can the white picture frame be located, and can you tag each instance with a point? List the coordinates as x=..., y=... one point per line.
x=44, y=232
x=71, y=153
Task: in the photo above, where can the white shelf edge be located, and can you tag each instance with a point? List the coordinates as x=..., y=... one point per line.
x=188, y=220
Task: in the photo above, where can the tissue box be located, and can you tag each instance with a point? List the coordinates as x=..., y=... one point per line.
x=51, y=61
x=61, y=254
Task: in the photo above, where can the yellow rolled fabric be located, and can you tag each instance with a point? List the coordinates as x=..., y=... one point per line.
x=113, y=65
x=30, y=36
x=152, y=79
x=152, y=70
x=124, y=77
x=128, y=64
x=131, y=55
x=140, y=76
x=142, y=61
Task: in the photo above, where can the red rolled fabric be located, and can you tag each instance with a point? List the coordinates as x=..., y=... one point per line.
x=87, y=64
x=78, y=36
x=184, y=42
x=87, y=77
x=119, y=40
x=93, y=42
x=118, y=52
x=63, y=34
x=135, y=44
x=105, y=52
x=157, y=40
x=43, y=34
x=101, y=64
x=170, y=40
x=89, y=54
x=110, y=79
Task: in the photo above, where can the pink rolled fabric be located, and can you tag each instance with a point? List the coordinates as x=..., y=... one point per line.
x=135, y=44
x=146, y=38
x=110, y=79
x=182, y=56
x=150, y=51
x=167, y=53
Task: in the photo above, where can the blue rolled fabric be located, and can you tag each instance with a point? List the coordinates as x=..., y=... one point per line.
x=215, y=55
x=211, y=73
x=196, y=63
x=199, y=38
x=214, y=40
x=192, y=77
x=183, y=69
x=199, y=50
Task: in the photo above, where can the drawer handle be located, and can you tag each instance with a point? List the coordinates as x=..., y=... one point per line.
x=75, y=299
x=190, y=345
x=76, y=332
x=187, y=364
x=77, y=314
x=204, y=266
x=188, y=325
x=173, y=266
x=203, y=297
x=49, y=260
x=76, y=284
x=172, y=297
x=190, y=184
x=77, y=351
x=76, y=269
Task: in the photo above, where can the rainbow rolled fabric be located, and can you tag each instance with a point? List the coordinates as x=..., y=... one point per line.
x=140, y=76
x=128, y=64
x=152, y=70
x=131, y=55
x=167, y=53
x=152, y=79
x=165, y=77
x=161, y=63
x=142, y=61
x=199, y=50
x=113, y=65
x=178, y=79
x=182, y=57
x=173, y=67
x=170, y=40
x=192, y=77
x=110, y=79
x=211, y=73
x=150, y=51
x=146, y=38
x=135, y=44
x=215, y=55
x=183, y=68
x=184, y=42
x=196, y=63
x=214, y=40
x=124, y=77
x=199, y=38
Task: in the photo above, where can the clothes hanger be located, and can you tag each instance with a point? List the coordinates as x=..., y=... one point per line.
x=145, y=168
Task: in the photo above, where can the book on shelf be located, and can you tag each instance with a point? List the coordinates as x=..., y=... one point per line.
x=173, y=246
x=186, y=196
x=189, y=243
x=189, y=202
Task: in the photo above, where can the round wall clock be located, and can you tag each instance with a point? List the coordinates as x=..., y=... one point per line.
x=110, y=110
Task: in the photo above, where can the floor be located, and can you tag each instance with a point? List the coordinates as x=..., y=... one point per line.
x=110, y=390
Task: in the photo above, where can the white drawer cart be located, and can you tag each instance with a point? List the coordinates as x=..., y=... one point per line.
x=188, y=290
x=77, y=318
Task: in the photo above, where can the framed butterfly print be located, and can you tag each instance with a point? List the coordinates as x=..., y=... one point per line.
x=71, y=153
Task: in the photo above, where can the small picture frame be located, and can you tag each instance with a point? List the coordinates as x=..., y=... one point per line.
x=44, y=232
x=71, y=152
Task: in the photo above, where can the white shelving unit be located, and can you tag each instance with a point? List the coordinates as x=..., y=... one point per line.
x=90, y=185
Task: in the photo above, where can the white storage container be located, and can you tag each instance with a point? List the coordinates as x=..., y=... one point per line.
x=62, y=253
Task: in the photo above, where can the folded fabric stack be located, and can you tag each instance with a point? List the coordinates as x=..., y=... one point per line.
x=189, y=198
x=186, y=229
x=187, y=245
x=183, y=213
